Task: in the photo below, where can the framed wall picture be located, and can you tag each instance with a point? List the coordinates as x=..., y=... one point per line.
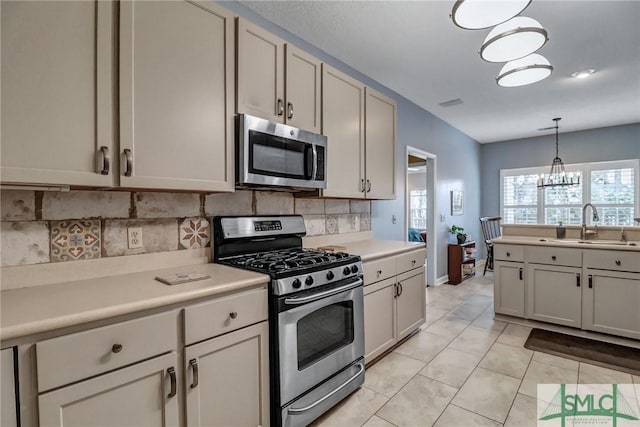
x=457, y=202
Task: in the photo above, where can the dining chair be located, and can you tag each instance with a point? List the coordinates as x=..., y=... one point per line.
x=490, y=230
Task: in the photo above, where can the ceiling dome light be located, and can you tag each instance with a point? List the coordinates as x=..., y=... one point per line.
x=513, y=39
x=524, y=71
x=583, y=74
x=480, y=14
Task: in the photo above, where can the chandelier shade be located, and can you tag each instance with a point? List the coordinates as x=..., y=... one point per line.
x=557, y=177
x=524, y=71
x=480, y=14
x=514, y=39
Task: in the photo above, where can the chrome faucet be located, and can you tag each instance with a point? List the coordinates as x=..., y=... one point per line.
x=584, y=233
x=623, y=235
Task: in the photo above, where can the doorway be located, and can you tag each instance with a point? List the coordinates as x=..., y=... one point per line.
x=420, y=204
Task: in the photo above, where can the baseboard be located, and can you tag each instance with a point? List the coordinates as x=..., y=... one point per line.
x=442, y=279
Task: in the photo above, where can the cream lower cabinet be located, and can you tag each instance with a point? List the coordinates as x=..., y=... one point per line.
x=57, y=93
x=508, y=288
x=228, y=379
x=554, y=294
x=360, y=125
x=144, y=394
x=394, y=304
x=8, y=414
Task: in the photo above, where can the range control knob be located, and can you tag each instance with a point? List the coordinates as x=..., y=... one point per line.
x=354, y=269
x=346, y=271
x=308, y=281
x=296, y=283
x=330, y=275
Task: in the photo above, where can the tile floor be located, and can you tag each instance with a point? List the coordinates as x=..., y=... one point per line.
x=462, y=369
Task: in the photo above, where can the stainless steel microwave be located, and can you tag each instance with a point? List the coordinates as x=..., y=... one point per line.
x=274, y=154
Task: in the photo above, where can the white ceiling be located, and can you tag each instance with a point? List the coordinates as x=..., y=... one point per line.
x=413, y=48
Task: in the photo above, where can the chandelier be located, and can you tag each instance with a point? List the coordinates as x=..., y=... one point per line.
x=558, y=176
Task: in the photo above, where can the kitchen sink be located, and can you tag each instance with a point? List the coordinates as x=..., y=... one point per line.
x=591, y=242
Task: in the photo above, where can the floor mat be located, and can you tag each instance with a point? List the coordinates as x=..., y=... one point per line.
x=613, y=356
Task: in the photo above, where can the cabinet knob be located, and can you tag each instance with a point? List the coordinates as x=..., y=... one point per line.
x=379, y=272
x=508, y=253
x=553, y=257
x=233, y=314
x=618, y=262
x=116, y=348
x=413, y=262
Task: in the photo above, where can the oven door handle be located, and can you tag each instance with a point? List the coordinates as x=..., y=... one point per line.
x=328, y=395
x=314, y=297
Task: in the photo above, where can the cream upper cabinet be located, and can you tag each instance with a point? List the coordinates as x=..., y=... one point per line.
x=380, y=138
x=57, y=93
x=360, y=125
x=276, y=80
x=302, y=89
x=144, y=394
x=343, y=125
x=228, y=379
x=176, y=96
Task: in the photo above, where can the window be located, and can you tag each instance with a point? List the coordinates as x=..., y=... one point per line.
x=611, y=186
x=418, y=204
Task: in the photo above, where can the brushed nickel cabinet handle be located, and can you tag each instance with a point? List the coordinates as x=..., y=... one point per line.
x=193, y=363
x=290, y=110
x=279, y=107
x=520, y=273
x=578, y=279
x=590, y=281
x=128, y=166
x=362, y=187
x=400, y=287
x=368, y=186
x=233, y=314
x=116, y=348
x=105, y=160
x=172, y=377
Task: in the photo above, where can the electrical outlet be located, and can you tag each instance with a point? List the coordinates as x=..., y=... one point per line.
x=443, y=218
x=394, y=219
x=134, y=237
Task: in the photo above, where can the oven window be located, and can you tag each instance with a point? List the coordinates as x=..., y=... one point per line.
x=324, y=331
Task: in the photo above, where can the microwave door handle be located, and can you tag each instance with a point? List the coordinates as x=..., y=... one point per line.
x=315, y=163
x=309, y=170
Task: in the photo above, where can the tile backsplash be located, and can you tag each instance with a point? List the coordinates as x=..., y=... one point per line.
x=41, y=227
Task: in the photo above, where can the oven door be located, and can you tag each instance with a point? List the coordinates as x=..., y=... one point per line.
x=319, y=334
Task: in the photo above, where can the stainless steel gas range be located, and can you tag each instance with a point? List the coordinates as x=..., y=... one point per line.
x=316, y=319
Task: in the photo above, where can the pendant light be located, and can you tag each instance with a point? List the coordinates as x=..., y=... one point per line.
x=558, y=176
x=513, y=39
x=524, y=71
x=480, y=14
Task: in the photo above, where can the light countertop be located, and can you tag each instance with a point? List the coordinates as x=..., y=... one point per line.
x=569, y=243
x=372, y=249
x=27, y=311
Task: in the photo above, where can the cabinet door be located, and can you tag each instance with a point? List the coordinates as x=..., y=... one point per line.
x=379, y=318
x=343, y=125
x=303, y=77
x=176, y=91
x=57, y=91
x=137, y=395
x=260, y=72
x=610, y=302
x=228, y=379
x=508, y=288
x=411, y=303
x=554, y=294
x=380, y=145
x=8, y=416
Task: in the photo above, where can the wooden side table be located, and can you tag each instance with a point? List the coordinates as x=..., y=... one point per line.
x=462, y=261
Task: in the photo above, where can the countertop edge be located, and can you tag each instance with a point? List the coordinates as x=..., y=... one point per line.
x=538, y=241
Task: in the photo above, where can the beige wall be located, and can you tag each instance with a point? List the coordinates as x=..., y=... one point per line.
x=41, y=227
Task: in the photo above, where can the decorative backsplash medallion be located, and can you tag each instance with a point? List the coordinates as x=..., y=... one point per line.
x=194, y=233
x=74, y=240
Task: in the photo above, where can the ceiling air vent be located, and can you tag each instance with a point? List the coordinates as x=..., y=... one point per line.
x=450, y=103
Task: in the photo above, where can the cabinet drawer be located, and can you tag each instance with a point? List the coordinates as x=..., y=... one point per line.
x=76, y=356
x=554, y=256
x=410, y=260
x=612, y=260
x=222, y=315
x=508, y=252
x=379, y=269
